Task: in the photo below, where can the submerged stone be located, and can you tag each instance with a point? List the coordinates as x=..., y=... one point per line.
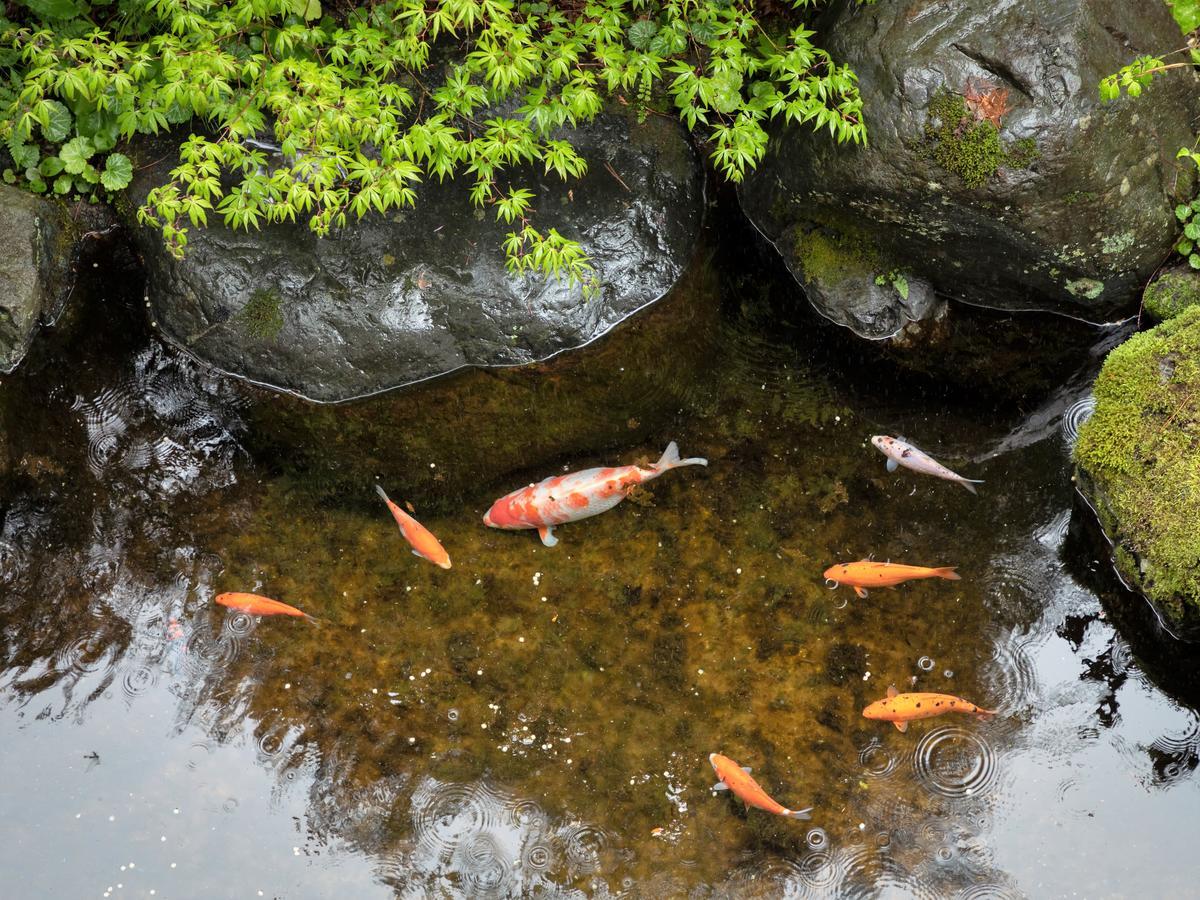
x=34, y=264
x=391, y=300
x=1139, y=466
x=994, y=174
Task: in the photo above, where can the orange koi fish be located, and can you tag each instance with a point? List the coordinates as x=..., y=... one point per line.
x=737, y=779
x=424, y=544
x=865, y=573
x=257, y=605
x=569, y=498
x=900, y=709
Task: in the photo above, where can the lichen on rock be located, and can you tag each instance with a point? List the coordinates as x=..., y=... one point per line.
x=1139, y=465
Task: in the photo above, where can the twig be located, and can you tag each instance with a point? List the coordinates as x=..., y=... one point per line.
x=613, y=173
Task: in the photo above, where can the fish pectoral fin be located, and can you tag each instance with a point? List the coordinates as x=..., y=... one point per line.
x=720, y=786
x=892, y=692
x=901, y=726
x=892, y=465
x=419, y=553
x=747, y=769
x=862, y=592
x=546, y=533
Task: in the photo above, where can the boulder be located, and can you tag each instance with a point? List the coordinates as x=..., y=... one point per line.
x=993, y=173
x=1171, y=292
x=1138, y=466
x=396, y=299
x=34, y=266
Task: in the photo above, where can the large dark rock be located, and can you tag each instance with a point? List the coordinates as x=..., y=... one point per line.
x=34, y=266
x=424, y=291
x=1067, y=208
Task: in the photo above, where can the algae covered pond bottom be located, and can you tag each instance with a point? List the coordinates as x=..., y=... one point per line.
x=537, y=722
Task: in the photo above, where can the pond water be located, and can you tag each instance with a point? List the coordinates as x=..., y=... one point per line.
x=537, y=722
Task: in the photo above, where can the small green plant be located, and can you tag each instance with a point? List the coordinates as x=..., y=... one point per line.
x=1188, y=215
x=897, y=280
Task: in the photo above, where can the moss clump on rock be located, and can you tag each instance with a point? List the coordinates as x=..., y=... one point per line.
x=262, y=316
x=1171, y=293
x=833, y=256
x=1139, y=464
x=970, y=149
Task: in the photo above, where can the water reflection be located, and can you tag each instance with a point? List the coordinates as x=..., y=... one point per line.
x=536, y=723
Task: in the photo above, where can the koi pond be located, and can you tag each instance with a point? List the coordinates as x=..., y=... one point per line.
x=537, y=722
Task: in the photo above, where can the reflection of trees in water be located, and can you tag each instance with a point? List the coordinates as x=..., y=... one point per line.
x=1134, y=637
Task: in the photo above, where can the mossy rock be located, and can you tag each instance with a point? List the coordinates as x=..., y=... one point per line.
x=1139, y=465
x=1171, y=293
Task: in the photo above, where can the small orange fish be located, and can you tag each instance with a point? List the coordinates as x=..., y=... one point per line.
x=865, y=573
x=424, y=544
x=257, y=605
x=900, y=709
x=737, y=779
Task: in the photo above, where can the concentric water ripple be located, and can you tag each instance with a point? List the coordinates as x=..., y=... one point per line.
x=877, y=760
x=583, y=846
x=445, y=815
x=137, y=679
x=953, y=762
x=1010, y=675
x=819, y=870
x=237, y=624
x=482, y=866
x=1077, y=413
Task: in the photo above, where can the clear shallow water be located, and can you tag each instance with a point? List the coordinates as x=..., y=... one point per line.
x=537, y=722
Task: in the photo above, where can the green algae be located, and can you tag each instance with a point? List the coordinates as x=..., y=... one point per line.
x=1171, y=293
x=1139, y=462
x=971, y=149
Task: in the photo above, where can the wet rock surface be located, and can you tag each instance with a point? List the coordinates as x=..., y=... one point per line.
x=421, y=292
x=33, y=270
x=1139, y=470
x=994, y=171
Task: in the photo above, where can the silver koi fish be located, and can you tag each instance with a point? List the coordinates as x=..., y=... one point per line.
x=900, y=453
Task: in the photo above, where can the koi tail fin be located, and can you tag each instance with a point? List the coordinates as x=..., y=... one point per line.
x=382, y=493
x=948, y=573
x=985, y=714
x=313, y=620
x=799, y=813
x=969, y=483
x=670, y=459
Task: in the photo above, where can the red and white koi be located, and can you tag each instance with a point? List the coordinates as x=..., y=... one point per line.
x=569, y=498
x=900, y=453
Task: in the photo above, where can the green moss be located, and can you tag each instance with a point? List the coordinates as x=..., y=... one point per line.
x=1170, y=294
x=262, y=316
x=970, y=149
x=1139, y=459
x=831, y=257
